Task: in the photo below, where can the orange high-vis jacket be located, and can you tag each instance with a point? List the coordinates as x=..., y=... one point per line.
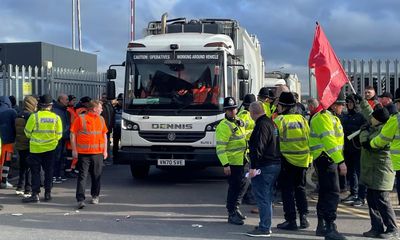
x=89, y=130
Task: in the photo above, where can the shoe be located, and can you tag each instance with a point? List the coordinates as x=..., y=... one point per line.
x=95, y=200
x=332, y=233
x=349, y=199
x=240, y=214
x=258, y=233
x=27, y=193
x=358, y=203
x=371, y=234
x=288, y=225
x=19, y=191
x=321, y=228
x=62, y=179
x=6, y=185
x=47, y=196
x=57, y=180
x=81, y=204
x=255, y=211
x=389, y=235
x=304, y=223
x=233, y=218
x=32, y=199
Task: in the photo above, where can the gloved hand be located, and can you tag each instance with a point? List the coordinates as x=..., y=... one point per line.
x=358, y=97
x=366, y=145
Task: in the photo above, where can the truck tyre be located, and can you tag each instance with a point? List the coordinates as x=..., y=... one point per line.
x=140, y=171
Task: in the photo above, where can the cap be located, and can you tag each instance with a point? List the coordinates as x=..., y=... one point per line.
x=386, y=94
x=71, y=97
x=45, y=99
x=341, y=97
x=266, y=93
x=85, y=99
x=248, y=99
x=287, y=99
x=230, y=102
x=381, y=114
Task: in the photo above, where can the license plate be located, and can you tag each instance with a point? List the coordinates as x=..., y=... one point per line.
x=171, y=162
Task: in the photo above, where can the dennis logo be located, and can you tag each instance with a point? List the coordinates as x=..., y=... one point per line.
x=171, y=126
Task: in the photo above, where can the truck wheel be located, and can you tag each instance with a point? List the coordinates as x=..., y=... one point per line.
x=140, y=171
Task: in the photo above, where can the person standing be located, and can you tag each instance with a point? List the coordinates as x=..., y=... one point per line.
x=293, y=137
x=109, y=118
x=267, y=97
x=370, y=96
x=300, y=108
x=385, y=99
x=377, y=175
x=265, y=167
x=89, y=145
x=326, y=145
x=351, y=122
x=117, y=126
x=390, y=133
x=44, y=129
x=231, y=149
x=7, y=130
x=24, y=185
x=60, y=108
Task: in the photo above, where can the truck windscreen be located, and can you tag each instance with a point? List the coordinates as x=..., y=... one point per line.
x=179, y=82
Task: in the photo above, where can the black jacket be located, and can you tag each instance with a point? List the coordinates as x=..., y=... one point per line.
x=264, y=144
x=391, y=108
x=351, y=122
x=108, y=115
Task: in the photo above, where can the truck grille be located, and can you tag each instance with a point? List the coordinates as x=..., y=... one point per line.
x=172, y=136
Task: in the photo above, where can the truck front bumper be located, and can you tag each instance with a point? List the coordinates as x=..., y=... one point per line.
x=196, y=157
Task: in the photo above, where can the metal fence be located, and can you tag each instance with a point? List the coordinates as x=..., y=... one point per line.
x=382, y=75
x=21, y=81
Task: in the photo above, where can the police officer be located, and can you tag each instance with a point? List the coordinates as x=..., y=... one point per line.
x=326, y=145
x=44, y=128
x=294, y=135
x=231, y=149
x=244, y=115
x=267, y=97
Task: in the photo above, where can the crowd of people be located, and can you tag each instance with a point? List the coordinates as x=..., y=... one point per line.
x=55, y=140
x=266, y=144
x=355, y=143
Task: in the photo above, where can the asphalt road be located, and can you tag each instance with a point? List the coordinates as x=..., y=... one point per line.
x=167, y=205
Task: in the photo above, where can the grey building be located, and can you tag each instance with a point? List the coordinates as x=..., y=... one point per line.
x=40, y=54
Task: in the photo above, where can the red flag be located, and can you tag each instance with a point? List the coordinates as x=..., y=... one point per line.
x=329, y=73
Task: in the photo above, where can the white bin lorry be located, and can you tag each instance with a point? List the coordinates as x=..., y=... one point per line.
x=176, y=79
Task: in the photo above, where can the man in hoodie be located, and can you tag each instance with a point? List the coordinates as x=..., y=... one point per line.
x=60, y=108
x=22, y=146
x=7, y=129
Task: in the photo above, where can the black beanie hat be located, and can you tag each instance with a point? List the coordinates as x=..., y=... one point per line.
x=381, y=114
x=287, y=99
x=248, y=99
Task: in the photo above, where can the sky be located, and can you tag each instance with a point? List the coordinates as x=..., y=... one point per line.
x=356, y=29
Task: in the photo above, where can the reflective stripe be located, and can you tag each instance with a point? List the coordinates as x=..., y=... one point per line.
x=395, y=151
x=240, y=149
x=222, y=143
x=219, y=152
x=332, y=150
x=316, y=147
x=88, y=146
x=45, y=131
x=296, y=152
x=396, y=136
x=313, y=135
x=295, y=125
x=41, y=141
x=294, y=139
x=327, y=133
x=237, y=137
x=385, y=138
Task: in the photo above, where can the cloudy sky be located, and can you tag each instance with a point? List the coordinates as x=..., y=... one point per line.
x=356, y=29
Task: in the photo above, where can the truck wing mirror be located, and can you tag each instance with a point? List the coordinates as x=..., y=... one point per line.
x=243, y=88
x=111, y=74
x=243, y=74
x=110, y=90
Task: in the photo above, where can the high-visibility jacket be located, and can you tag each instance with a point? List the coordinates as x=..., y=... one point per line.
x=249, y=123
x=44, y=128
x=269, y=109
x=89, y=130
x=294, y=139
x=390, y=133
x=326, y=135
x=231, y=142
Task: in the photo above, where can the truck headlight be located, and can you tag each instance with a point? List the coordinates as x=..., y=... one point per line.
x=128, y=125
x=212, y=126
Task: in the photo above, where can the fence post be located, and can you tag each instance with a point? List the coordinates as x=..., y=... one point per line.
x=396, y=74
